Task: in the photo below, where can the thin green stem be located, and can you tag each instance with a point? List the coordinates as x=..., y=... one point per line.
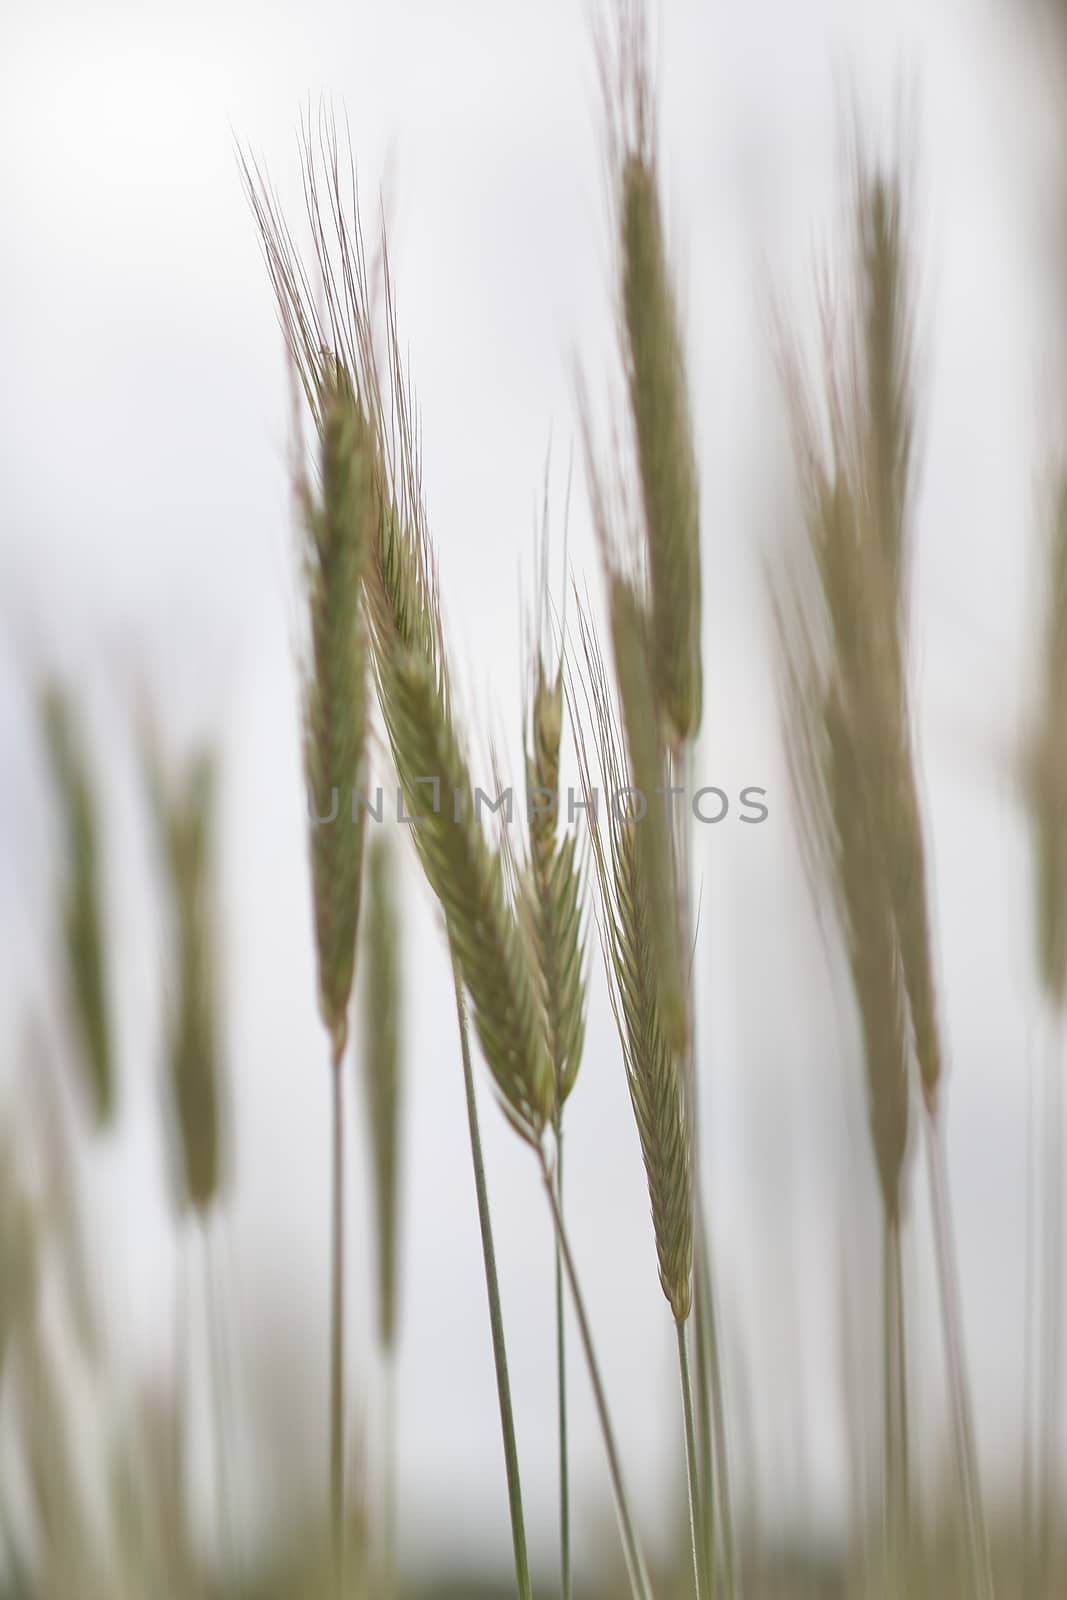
x=951, y=1321
x=389, y=1495
x=711, y=1405
x=496, y=1321
x=1050, y=1387
x=219, y=1386
x=692, y=1472
x=561, y=1393
x=894, y=1421
x=635, y=1561
x=337, y=1329
x=1030, y=1326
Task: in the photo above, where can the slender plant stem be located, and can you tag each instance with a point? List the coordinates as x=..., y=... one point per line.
x=1050, y=1388
x=337, y=1329
x=219, y=1386
x=894, y=1421
x=561, y=1376
x=496, y=1321
x=951, y=1320
x=635, y=1561
x=904, y=1430
x=692, y=1473
x=389, y=1494
x=711, y=1405
x=1030, y=1330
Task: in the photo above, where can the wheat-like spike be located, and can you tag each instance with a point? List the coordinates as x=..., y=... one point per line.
x=630, y=634
x=468, y=879
x=886, y=362
x=837, y=701
x=654, y=1077
x=381, y=1074
x=860, y=559
x=1045, y=771
x=654, y=357
x=185, y=818
x=84, y=934
x=552, y=889
x=339, y=530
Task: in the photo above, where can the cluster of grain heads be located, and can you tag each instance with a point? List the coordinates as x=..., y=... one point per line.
x=844, y=636
x=84, y=931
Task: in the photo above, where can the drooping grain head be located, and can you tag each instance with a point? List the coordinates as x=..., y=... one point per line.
x=339, y=529
x=467, y=877
x=84, y=931
x=654, y=1076
x=382, y=1010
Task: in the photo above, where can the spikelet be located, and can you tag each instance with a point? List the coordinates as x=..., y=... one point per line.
x=339, y=531
x=654, y=1077
x=658, y=385
x=382, y=1010
x=84, y=933
x=185, y=820
x=552, y=888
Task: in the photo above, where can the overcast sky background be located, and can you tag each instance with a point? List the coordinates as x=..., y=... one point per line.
x=145, y=538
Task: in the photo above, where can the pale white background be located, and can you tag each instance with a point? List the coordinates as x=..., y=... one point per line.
x=145, y=536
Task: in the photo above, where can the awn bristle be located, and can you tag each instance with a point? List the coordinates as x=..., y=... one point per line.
x=186, y=820
x=653, y=1075
x=83, y=915
x=382, y=1009
x=1046, y=770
